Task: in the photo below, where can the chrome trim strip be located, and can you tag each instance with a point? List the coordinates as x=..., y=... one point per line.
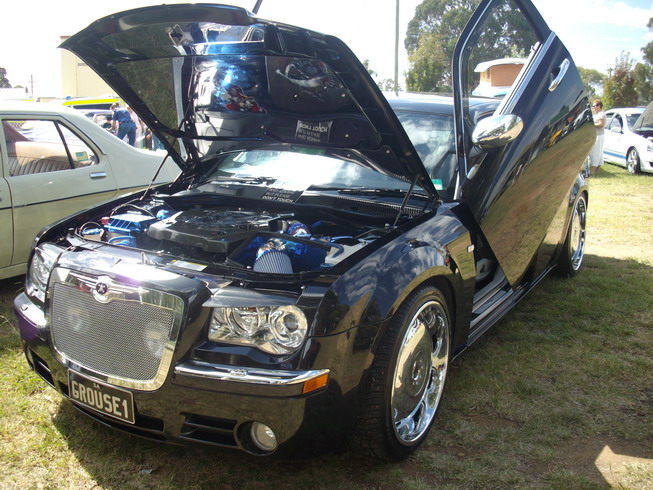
x=124, y=293
x=267, y=377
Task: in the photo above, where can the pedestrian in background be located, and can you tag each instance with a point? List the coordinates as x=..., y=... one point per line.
x=125, y=125
x=140, y=128
x=596, y=155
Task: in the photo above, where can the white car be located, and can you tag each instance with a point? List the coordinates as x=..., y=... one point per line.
x=629, y=138
x=54, y=162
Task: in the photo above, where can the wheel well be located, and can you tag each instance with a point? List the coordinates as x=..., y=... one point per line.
x=444, y=286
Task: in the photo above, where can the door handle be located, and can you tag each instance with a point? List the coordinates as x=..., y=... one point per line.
x=97, y=175
x=557, y=77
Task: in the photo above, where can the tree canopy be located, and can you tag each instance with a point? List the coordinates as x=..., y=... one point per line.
x=4, y=82
x=434, y=30
x=619, y=87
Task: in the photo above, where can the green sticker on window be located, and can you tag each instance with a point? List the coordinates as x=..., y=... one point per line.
x=437, y=183
x=81, y=156
x=307, y=151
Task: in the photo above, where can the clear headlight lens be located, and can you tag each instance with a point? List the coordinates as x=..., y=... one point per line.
x=43, y=260
x=273, y=329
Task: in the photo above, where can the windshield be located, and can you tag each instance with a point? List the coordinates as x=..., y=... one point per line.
x=299, y=171
x=632, y=117
x=432, y=137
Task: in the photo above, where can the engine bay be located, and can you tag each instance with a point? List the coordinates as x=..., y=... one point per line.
x=266, y=240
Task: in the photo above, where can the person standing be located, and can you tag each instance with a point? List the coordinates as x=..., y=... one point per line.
x=124, y=122
x=596, y=155
x=140, y=128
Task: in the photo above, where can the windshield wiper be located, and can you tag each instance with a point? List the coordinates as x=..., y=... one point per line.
x=239, y=180
x=375, y=191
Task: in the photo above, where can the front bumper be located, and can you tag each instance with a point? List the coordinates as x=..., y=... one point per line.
x=201, y=402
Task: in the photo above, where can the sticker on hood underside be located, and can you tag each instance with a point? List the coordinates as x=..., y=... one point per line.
x=313, y=132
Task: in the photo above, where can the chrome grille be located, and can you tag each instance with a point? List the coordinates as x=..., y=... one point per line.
x=127, y=339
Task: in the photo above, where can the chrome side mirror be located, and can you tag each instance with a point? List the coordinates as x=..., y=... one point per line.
x=496, y=131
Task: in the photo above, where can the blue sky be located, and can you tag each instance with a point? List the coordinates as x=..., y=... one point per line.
x=594, y=31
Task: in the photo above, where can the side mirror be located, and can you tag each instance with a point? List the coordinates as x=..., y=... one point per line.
x=616, y=129
x=496, y=131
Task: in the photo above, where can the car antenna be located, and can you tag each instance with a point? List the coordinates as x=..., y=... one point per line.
x=405, y=201
x=257, y=6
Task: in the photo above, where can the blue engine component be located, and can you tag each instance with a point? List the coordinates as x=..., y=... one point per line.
x=122, y=228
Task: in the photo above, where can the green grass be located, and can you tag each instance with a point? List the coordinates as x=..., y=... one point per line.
x=563, y=379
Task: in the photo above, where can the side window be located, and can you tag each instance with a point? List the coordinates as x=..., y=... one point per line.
x=616, y=123
x=39, y=146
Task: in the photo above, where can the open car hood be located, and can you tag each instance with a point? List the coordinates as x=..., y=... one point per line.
x=645, y=120
x=214, y=78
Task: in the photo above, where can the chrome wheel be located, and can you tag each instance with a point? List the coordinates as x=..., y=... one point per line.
x=577, y=234
x=420, y=372
x=632, y=161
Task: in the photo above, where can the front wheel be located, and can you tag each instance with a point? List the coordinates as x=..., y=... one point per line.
x=407, y=378
x=573, y=251
x=632, y=161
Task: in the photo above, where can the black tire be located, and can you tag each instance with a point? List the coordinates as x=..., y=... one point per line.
x=633, y=163
x=406, y=380
x=573, y=250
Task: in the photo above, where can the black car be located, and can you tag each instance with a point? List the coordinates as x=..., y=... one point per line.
x=326, y=252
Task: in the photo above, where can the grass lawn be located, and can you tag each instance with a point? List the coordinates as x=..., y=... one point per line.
x=559, y=394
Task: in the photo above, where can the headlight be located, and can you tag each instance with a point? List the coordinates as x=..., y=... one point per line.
x=273, y=329
x=43, y=260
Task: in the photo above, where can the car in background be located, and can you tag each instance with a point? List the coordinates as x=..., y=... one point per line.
x=325, y=253
x=54, y=162
x=629, y=138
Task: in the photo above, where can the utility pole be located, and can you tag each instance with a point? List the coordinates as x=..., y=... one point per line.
x=257, y=6
x=396, y=87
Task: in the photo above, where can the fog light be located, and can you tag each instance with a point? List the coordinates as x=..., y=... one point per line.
x=263, y=437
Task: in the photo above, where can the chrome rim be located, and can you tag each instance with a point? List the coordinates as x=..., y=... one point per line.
x=577, y=237
x=420, y=372
x=632, y=161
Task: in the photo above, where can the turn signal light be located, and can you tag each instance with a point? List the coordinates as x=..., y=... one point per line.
x=315, y=383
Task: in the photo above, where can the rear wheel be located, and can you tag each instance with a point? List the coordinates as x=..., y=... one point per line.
x=573, y=252
x=407, y=378
x=632, y=161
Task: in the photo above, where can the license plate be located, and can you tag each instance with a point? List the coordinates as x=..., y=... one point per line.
x=106, y=399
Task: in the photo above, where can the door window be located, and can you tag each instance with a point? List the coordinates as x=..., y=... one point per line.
x=39, y=146
x=496, y=54
x=616, y=123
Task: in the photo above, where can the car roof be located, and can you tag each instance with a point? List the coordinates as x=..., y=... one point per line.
x=439, y=103
x=627, y=109
x=37, y=108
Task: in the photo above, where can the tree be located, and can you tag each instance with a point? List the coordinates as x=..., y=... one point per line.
x=644, y=83
x=619, y=88
x=593, y=80
x=4, y=83
x=648, y=49
x=430, y=40
x=433, y=32
x=372, y=73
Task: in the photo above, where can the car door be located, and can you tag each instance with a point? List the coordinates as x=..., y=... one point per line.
x=516, y=168
x=52, y=171
x=6, y=221
x=615, y=146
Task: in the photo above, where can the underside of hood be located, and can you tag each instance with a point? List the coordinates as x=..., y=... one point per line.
x=645, y=120
x=213, y=78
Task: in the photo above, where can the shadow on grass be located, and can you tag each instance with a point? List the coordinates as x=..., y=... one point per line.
x=535, y=402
